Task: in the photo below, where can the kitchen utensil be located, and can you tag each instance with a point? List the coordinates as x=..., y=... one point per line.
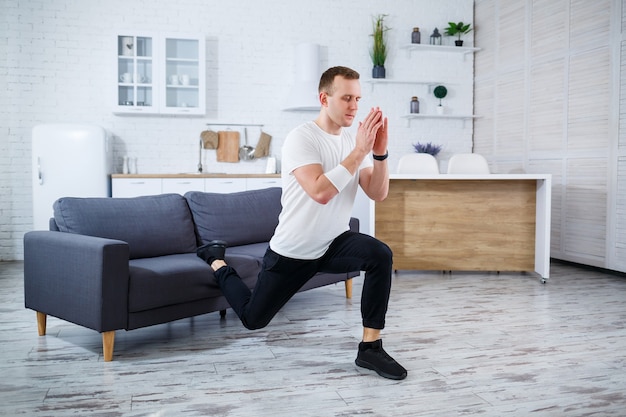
x=246, y=152
x=228, y=146
x=209, y=139
x=263, y=147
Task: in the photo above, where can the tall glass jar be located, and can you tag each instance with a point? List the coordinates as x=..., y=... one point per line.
x=415, y=105
x=416, y=35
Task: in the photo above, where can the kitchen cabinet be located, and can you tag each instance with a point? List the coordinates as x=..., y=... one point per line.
x=181, y=185
x=160, y=74
x=134, y=187
x=260, y=183
x=441, y=224
x=224, y=185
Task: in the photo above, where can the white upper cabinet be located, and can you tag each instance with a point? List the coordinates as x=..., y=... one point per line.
x=184, y=75
x=136, y=74
x=159, y=74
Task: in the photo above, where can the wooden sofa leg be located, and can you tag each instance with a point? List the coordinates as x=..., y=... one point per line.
x=41, y=323
x=108, y=340
x=349, y=288
x=223, y=313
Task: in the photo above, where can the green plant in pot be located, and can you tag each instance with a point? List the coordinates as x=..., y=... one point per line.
x=378, y=53
x=458, y=29
x=440, y=92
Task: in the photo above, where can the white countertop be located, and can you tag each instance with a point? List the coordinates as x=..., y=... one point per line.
x=470, y=176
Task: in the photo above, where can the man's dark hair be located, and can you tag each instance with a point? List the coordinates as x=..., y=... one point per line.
x=328, y=77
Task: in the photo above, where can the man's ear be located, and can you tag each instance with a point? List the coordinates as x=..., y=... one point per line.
x=323, y=98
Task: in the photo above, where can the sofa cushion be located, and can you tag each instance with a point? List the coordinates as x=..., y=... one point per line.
x=151, y=225
x=178, y=279
x=254, y=250
x=238, y=218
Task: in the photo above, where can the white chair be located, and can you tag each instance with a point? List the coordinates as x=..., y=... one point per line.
x=418, y=163
x=468, y=163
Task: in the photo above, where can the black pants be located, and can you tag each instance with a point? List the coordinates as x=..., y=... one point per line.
x=281, y=277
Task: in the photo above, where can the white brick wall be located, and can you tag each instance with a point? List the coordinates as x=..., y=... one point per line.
x=57, y=55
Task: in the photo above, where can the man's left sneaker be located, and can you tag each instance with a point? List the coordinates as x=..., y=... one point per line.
x=372, y=356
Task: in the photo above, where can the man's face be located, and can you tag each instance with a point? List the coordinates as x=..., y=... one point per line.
x=343, y=104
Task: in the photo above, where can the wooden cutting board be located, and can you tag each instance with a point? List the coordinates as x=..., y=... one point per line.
x=228, y=146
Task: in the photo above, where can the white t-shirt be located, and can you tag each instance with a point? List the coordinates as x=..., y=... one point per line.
x=306, y=228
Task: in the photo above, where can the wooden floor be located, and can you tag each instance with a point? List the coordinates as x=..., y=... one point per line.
x=473, y=344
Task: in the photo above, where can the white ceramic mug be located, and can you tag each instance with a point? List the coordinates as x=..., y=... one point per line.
x=174, y=79
x=184, y=79
x=127, y=77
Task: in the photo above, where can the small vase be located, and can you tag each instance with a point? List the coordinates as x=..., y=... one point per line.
x=458, y=43
x=440, y=109
x=378, y=71
x=125, y=168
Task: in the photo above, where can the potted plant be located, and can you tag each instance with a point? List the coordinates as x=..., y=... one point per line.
x=457, y=29
x=378, y=53
x=440, y=92
x=427, y=148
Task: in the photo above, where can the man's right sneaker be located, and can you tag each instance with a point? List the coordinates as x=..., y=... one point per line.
x=372, y=356
x=213, y=250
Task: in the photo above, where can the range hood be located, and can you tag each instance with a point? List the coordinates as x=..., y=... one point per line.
x=303, y=94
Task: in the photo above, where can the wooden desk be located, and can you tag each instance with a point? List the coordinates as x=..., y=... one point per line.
x=466, y=222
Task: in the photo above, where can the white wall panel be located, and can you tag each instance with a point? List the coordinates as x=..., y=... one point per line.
x=619, y=238
x=622, y=98
x=619, y=253
x=588, y=101
x=546, y=130
x=511, y=23
x=548, y=27
x=585, y=209
x=484, y=105
x=561, y=81
x=510, y=114
x=589, y=23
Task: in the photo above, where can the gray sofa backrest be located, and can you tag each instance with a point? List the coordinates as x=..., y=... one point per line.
x=238, y=218
x=152, y=225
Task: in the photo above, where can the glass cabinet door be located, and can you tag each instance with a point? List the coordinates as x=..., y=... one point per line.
x=135, y=74
x=184, y=75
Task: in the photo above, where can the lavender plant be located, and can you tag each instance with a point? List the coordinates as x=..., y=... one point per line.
x=427, y=148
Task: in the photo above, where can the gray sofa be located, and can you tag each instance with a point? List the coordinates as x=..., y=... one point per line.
x=124, y=263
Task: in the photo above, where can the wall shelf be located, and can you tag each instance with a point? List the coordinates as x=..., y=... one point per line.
x=463, y=117
x=373, y=81
x=439, y=48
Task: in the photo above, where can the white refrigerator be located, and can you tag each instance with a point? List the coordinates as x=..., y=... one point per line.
x=68, y=160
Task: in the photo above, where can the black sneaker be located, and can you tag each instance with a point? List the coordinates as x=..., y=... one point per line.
x=213, y=250
x=372, y=356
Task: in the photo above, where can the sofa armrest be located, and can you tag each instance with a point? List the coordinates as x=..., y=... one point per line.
x=78, y=278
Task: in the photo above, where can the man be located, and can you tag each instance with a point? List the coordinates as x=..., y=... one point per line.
x=322, y=166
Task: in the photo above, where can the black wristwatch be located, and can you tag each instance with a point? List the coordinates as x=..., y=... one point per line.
x=381, y=157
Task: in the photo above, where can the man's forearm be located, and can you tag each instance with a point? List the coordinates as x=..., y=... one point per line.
x=378, y=186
